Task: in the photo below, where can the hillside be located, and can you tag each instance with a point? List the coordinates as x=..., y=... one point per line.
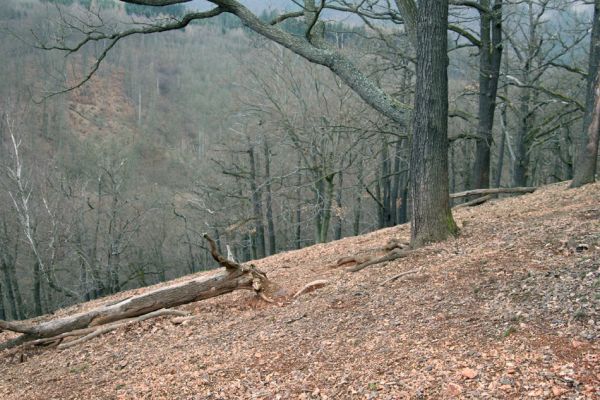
x=510, y=309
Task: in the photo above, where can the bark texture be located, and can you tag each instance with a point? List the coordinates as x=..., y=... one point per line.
x=431, y=218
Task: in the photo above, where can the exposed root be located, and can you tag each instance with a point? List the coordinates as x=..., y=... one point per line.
x=396, y=244
x=265, y=297
x=400, y=275
x=475, y=202
x=319, y=283
x=393, y=255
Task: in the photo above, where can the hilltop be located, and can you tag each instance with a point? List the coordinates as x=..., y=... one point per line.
x=509, y=309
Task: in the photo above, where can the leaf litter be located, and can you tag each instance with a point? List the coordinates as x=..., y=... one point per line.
x=510, y=309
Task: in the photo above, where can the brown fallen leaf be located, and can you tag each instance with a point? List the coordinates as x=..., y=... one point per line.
x=558, y=391
x=469, y=373
x=454, y=389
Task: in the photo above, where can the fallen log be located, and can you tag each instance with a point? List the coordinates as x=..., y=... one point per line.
x=88, y=333
x=233, y=277
x=493, y=191
x=475, y=202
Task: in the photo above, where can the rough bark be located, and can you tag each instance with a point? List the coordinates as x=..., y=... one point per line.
x=431, y=218
x=587, y=154
x=521, y=171
x=408, y=10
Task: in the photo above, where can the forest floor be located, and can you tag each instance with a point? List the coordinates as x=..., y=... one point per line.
x=508, y=310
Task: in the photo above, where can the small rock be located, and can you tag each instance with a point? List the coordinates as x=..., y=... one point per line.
x=558, y=391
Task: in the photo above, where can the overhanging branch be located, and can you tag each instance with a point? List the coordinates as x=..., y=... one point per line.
x=114, y=38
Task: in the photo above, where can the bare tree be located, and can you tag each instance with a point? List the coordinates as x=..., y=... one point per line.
x=434, y=215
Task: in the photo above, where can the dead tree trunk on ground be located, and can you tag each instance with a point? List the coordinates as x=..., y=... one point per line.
x=233, y=277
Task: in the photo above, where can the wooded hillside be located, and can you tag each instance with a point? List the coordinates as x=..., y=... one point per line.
x=396, y=199
x=212, y=128
x=510, y=309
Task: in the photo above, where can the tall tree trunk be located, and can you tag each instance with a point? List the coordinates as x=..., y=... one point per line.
x=503, y=131
x=489, y=73
x=431, y=218
x=338, y=202
x=20, y=307
x=257, y=206
x=37, y=290
x=9, y=293
x=320, y=206
x=501, y=147
x=328, y=201
x=298, y=238
x=2, y=308
x=380, y=205
x=521, y=171
x=587, y=149
x=395, y=183
x=269, y=205
x=386, y=183
x=403, y=208
x=358, y=204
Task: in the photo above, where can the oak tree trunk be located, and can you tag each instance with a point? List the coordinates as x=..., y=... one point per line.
x=431, y=218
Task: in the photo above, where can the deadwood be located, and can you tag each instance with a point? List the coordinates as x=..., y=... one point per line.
x=493, y=191
x=233, y=277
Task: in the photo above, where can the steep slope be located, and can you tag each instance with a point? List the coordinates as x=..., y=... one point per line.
x=510, y=309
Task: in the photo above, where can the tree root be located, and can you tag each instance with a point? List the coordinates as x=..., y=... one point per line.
x=400, y=275
x=319, y=283
x=475, y=202
x=391, y=256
